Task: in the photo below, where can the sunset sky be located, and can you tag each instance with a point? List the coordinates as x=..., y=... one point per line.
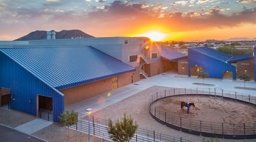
x=177, y=19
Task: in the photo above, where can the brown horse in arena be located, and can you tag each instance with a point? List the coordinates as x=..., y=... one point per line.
x=187, y=105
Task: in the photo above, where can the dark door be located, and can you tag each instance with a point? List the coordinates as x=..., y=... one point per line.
x=5, y=100
x=45, y=103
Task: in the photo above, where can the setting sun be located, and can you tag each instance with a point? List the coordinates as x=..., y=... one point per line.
x=155, y=35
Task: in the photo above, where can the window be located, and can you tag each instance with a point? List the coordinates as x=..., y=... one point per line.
x=154, y=55
x=133, y=58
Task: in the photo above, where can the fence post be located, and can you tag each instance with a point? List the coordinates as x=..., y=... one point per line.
x=180, y=139
x=76, y=125
x=180, y=123
x=222, y=129
x=215, y=91
x=235, y=95
x=249, y=98
x=200, y=127
x=244, y=128
x=136, y=136
x=154, y=135
x=89, y=131
x=93, y=125
x=209, y=91
x=165, y=117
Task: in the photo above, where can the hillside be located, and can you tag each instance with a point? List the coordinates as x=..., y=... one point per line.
x=64, y=34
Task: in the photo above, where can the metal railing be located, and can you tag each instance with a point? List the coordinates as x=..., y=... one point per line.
x=199, y=127
x=96, y=127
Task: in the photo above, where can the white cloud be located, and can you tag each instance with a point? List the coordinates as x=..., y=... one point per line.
x=181, y=2
x=247, y=1
x=52, y=0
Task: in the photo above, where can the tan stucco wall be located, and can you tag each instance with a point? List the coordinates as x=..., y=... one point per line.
x=245, y=65
x=78, y=93
x=154, y=68
x=183, y=66
x=167, y=65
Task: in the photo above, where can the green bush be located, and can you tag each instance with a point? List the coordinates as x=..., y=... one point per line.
x=69, y=118
x=123, y=130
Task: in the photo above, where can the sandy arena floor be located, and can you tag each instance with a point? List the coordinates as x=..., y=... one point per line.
x=137, y=107
x=211, y=111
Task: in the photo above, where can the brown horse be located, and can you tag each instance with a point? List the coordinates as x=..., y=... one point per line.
x=187, y=105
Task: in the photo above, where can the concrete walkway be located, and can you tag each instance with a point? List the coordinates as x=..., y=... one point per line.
x=33, y=126
x=8, y=134
x=166, y=79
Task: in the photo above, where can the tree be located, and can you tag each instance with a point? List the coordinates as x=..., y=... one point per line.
x=245, y=78
x=123, y=130
x=69, y=118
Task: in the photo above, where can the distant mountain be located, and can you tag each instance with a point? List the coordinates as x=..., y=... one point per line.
x=64, y=34
x=241, y=39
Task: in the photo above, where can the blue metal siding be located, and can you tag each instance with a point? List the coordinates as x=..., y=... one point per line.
x=25, y=87
x=215, y=68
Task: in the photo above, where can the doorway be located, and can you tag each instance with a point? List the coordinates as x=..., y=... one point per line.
x=228, y=75
x=45, y=107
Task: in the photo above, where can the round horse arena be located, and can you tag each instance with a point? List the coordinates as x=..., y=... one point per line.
x=210, y=116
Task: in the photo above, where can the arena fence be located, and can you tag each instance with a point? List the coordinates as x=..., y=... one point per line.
x=96, y=127
x=204, y=128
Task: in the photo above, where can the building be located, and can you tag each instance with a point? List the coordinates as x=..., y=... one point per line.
x=244, y=65
x=43, y=76
x=219, y=65
x=210, y=61
x=174, y=61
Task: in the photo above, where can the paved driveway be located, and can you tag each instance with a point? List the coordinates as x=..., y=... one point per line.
x=11, y=135
x=166, y=79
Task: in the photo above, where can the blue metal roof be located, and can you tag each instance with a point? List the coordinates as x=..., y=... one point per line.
x=213, y=53
x=221, y=56
x=171, y=54
x=240, y=58
x=64, y=67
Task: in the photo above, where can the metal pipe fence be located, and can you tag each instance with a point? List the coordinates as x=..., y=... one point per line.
x=96, y=127
x=199, y=127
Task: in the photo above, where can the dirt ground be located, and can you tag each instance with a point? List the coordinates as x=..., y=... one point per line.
x=210, y=109
x=57, y=133
x=212, y=112
x=137, y=107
